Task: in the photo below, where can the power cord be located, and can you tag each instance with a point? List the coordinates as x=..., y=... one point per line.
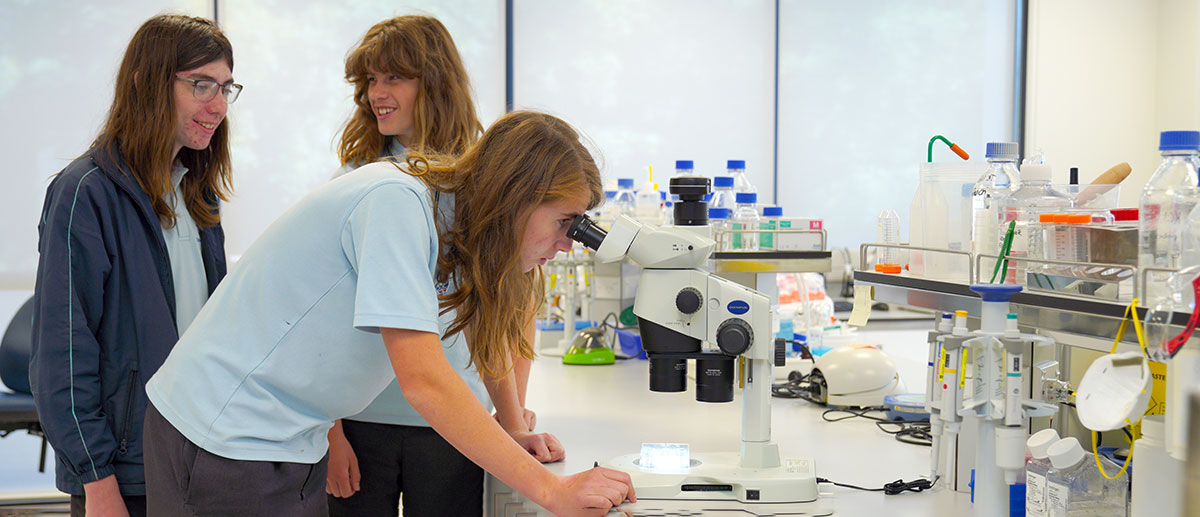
x=898, y=486
x=912, y=432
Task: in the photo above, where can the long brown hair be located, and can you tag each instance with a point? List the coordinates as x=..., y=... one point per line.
x=523, y=161
x=141, y=121
x=444, y=120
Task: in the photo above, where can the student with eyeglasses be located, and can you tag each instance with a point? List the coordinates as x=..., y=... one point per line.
x=131, y=247
x=411, y=91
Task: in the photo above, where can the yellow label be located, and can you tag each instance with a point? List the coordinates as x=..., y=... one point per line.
x=943, y=358
x=962, y=379
x=1158, y=389
x=863, y=294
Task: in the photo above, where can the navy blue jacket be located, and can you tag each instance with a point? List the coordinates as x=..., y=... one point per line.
x=104, y=318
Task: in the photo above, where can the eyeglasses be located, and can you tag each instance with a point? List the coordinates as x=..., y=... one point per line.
x=204, y=90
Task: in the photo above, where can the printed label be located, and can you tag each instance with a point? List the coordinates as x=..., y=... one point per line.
x=1035, y=494
x=1057, y=497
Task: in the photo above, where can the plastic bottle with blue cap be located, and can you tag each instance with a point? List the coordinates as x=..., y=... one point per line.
x=770, y=222
x=737, y=170
x=999, y=180
x=1167, y=199
x=625, y=201
x=723, y=194
x=746, y=218
x=718, y=219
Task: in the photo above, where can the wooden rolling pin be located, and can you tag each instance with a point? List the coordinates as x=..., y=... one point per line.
x=1103, y=183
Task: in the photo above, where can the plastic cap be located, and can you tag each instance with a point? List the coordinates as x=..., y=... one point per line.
x=960, y=313
x=1178, y=140
x=1124, y=214
x=1066, y=453
x=891, y=269
x=1003, y=150
x=719, y=213
x=723, y=181
x=1152, y=427
x=996, y=292
x=1035, y=172
x=1046, y=218
x=735, y=164
x=1040, y=441
x=773, y=211
x=609, y=194
x=662, y=196
x=684, y=164
x=746, y=198
x=1079, y=218
x=625, y=182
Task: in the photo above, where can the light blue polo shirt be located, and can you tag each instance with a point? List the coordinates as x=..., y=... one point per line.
x=289, y=341
x=391, y=407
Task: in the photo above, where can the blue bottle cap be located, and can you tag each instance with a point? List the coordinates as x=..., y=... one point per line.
x=718, y=213
x=609, y=194
x=683, y=165
x=723, y=181
x=662, y=195
x=708, y=197
x=743, y=198
x=1009, y=150
x=996, y=292
x=735, y=164
x=773, y=211
x=1178, y=140
x=625, y=182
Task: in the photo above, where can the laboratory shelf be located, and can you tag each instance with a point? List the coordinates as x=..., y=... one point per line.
x=772, y=261
x=1077, y=321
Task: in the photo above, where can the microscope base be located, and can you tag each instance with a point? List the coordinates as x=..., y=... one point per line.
x=718, y=477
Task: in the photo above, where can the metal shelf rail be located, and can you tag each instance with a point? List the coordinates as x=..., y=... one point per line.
x=1076, y=320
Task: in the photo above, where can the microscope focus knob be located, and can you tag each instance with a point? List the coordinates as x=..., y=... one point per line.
x=689, y=300
x=734, y=336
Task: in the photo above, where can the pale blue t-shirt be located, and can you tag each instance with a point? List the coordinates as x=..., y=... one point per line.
x=391, y=407
x=289, y=341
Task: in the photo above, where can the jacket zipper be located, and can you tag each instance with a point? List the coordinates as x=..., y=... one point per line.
x=128, y=412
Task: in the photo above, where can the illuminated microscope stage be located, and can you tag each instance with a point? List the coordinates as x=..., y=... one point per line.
x=715, y=482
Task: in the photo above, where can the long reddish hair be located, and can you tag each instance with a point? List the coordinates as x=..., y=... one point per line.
x=141, y=121
x=524, y=160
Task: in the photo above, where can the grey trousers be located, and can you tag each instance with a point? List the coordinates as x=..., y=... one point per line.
x=183, y=479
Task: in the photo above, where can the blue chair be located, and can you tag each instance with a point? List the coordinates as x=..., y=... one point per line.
x=17, y=411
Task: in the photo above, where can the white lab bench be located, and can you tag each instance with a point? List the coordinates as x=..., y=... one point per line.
x=601, y=412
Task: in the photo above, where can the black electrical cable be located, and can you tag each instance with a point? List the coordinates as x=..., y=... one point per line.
x=898, y=486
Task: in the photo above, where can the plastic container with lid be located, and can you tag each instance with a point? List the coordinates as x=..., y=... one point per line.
x=1035, y=471
x=999, y=180
x=770, y=222
x=737, y=170
x=746, y=218
x=1074, y=483
x=1162, y=207
x=1025, y=206
x=625, y=200
x=1152, y=497
x=888, y=232
x=722, y=194
x=718, y=219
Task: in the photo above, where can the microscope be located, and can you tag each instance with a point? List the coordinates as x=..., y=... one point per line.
x=687, y=314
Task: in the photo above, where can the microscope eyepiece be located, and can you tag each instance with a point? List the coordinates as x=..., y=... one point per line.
x=586, y=231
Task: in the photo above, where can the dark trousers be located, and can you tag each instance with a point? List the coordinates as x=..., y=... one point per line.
x=135, y=504
x=410, y=462
x=183, y=479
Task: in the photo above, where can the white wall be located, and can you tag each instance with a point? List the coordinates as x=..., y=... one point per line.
x=58, y=63
x=653, y=82
x=864, y=85
x=1105, y=77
